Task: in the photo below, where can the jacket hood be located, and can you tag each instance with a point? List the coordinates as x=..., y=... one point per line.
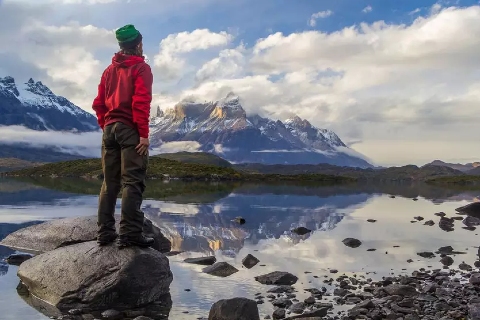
x=124, y=61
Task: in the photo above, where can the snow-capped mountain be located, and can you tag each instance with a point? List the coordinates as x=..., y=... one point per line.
x=223, y=127
x=35, y=106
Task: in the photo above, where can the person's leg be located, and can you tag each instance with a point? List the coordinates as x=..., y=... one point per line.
x=111, y=166
x=134, y=171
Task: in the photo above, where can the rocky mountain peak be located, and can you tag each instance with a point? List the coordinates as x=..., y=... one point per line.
x=298, y=122
x=33, y=105
x=229, y=108
x=8, y=83
x=38, y=88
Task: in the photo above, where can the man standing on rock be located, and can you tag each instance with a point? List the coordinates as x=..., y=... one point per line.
x=123, y=111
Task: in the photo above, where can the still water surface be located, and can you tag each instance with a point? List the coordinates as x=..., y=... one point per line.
x=199, y=222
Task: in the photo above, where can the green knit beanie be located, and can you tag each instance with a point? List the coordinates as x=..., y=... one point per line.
x=128, y=36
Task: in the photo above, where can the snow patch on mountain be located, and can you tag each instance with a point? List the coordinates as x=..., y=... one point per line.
x=35, y=106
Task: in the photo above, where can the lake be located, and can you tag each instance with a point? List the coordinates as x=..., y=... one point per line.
x=198, y=217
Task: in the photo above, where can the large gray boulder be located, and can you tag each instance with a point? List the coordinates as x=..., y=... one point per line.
x=88, y=276
x=54, y=234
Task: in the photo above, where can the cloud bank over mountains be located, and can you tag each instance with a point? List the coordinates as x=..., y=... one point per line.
x=399, y=92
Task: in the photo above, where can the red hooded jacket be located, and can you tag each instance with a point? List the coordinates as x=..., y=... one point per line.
x=125, y=93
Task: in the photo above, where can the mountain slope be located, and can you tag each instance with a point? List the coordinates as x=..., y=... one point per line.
x=224, y=128
x=36, y=107
x=457, y=166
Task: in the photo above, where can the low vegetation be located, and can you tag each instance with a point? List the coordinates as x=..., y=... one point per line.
x=161, y=168
x=198, y=166
x=461, y=180
x=7, y=164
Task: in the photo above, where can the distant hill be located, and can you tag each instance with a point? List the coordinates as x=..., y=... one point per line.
x=196, y=157
x=473, y=172
x=456, y=166
x=404, y=173
x=7, y=164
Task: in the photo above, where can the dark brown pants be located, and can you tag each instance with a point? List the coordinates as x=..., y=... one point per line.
x=122, y=166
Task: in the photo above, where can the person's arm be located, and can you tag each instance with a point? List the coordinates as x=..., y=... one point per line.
x=141, y=100
x=99, y=103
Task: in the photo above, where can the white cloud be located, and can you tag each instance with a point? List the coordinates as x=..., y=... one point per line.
x=169, y=61
x=85, y=144
x=406, y=81
x=367, y=9
x=414, y=83
x=64, y=56
x=319, y=15
x=177, y=146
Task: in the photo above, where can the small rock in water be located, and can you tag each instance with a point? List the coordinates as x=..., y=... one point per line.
x=470, y=228
x=220, y=269
x=352, y=242
x=372, y=220
x=472, y=209
x=429, y=223
x=440, y=214
x=236, y=308
x=419, y=218
x=18, y=259
x=415, y=199
x=427, y=255
x=465, y=267
x=204, y=261
x=301, y=231
x=278, y=314
x=173, y=253
x=447, y=261
x=371, y=250
x=277, y=278
x=250, y=261
x=310, y=300
x=392, y=196
x=446, y=224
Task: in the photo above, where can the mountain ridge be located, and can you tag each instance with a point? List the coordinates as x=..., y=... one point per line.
x=223, y=128
x=34, y=106
x=457, y=166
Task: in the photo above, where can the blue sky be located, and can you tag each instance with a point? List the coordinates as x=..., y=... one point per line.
x=254, y=19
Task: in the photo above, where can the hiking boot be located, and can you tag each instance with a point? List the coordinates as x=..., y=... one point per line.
x=139, y=241
x=103, y=240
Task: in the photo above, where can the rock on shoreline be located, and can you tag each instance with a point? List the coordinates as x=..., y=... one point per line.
x=88, y=276
x=54, y=234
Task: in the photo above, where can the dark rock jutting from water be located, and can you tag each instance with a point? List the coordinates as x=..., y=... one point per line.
x=220, y=269
x=236, y=308
x=277, y=278
x=250, y=261
x=204, y=261
x=352, y=242
x=18, y=259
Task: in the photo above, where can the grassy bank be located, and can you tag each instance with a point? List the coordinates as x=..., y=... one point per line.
x=162, y=168
x=463, y=180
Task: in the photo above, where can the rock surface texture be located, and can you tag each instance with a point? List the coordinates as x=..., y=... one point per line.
x=88, y=276
x=234, y=309
x=54, y=234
